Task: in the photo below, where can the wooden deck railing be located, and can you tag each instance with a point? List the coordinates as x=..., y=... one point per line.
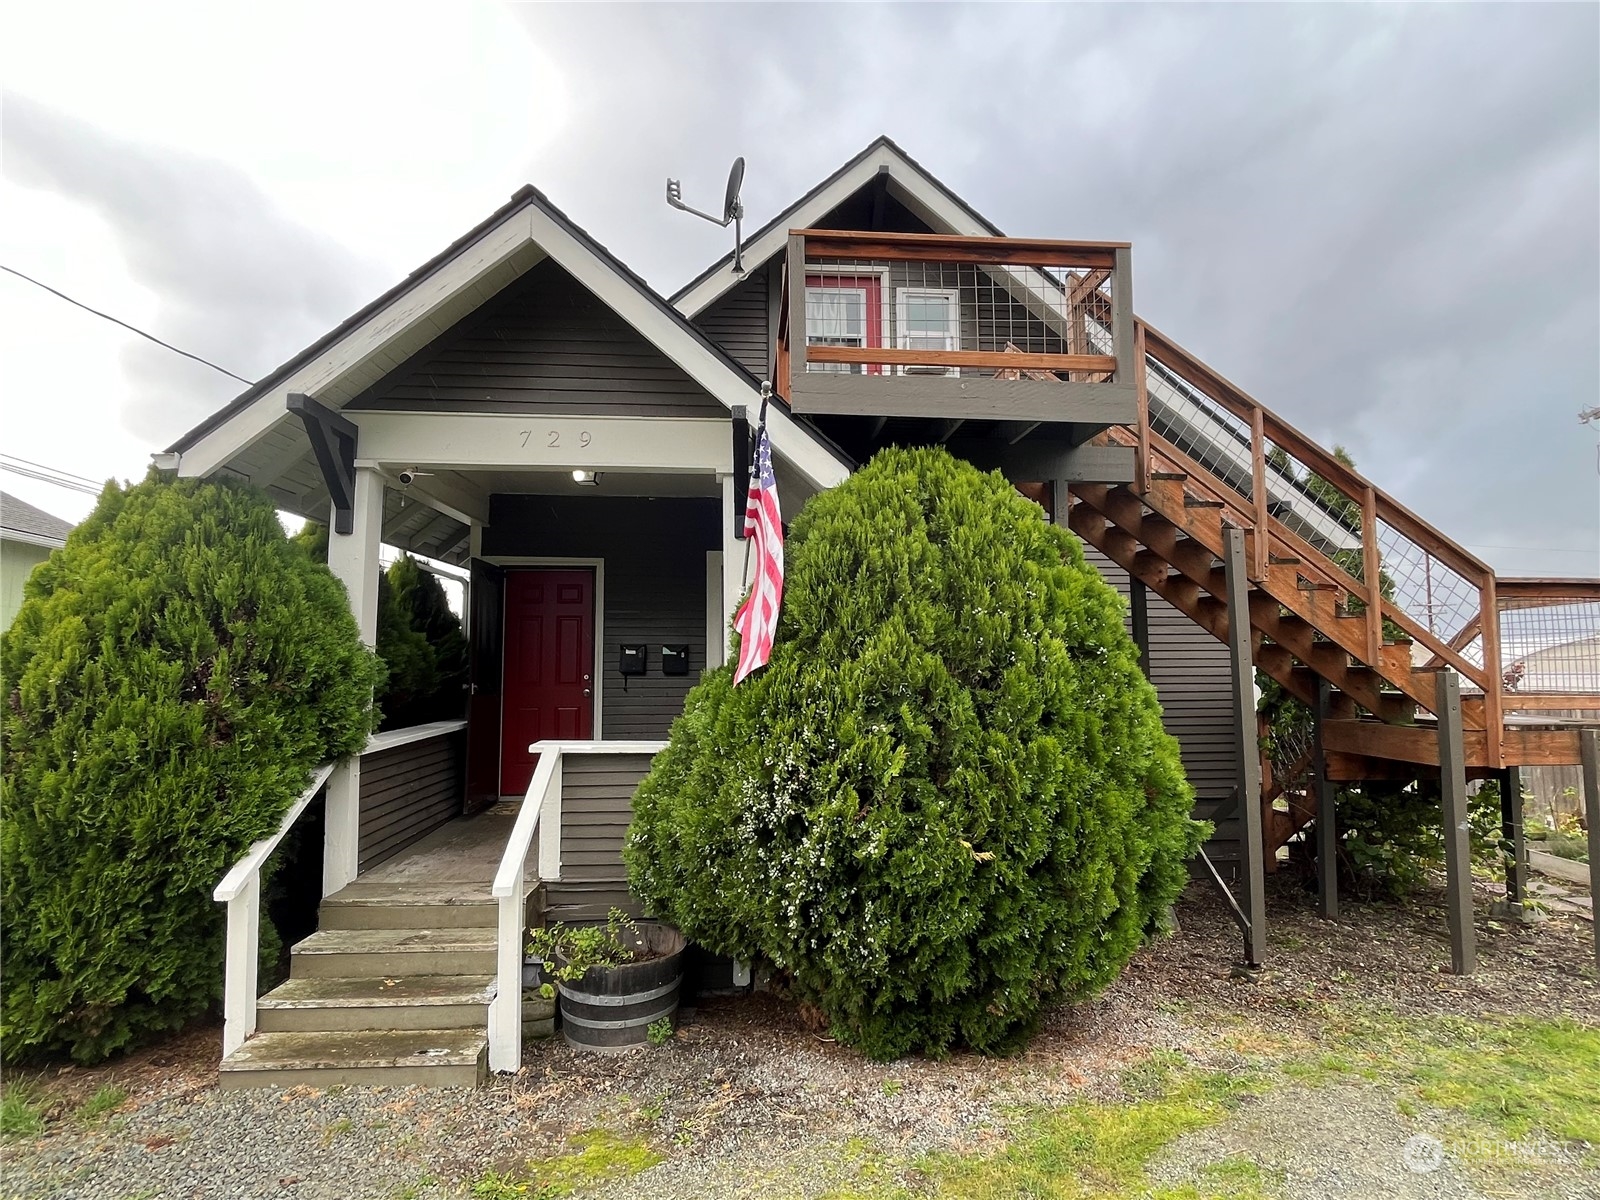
x=1549, y=644
x=931, y=307
x=1396, y=568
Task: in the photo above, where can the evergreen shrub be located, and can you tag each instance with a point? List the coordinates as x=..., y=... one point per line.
x=949, y=799
x=174, y=674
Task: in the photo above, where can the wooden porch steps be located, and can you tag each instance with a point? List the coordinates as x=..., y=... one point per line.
x=393, y=988
x=436, y=1057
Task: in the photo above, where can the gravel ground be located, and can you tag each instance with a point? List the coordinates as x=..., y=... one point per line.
x=749, y=1100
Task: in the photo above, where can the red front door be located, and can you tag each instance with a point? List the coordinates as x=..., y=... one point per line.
x=549, y=667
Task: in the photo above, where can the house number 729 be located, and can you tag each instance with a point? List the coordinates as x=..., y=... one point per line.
x=553, y=438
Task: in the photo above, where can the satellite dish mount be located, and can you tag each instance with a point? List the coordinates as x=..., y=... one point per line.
x=732, y=210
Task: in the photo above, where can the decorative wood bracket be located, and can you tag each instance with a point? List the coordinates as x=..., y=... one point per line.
x=333, y=439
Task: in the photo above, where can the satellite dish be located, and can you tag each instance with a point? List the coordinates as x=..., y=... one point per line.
x=732, y=210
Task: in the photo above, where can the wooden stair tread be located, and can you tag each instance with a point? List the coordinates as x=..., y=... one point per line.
x=358, y=1050
x=407, y=991
x=395, y=941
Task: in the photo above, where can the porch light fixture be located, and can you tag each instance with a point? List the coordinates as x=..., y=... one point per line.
x=587, y=478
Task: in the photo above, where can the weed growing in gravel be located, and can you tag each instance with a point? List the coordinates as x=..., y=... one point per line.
x=659, y=1033
x=892, y=1087
x=21, y=1111
x=1090, y=1151
x=1518, y=1074
x=106, y=1100
x=590, y=1158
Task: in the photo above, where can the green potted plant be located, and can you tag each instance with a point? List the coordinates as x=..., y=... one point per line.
x=613, y=980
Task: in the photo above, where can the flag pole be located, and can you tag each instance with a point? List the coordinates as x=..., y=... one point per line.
x=755, y=458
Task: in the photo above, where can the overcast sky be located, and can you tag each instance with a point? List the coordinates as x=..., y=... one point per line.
x=1383, y=222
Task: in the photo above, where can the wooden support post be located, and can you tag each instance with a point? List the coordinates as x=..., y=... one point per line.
x=1141, y=466
x=353, y=559
x=1511, y=832
x=1139, y=612
x=1457, y=851
x=1589, y=752
x=1327, y=816
x=1260, y=539
x=1372, y=576
x=1252, y=844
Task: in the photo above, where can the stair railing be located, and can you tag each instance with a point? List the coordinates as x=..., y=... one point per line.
x=240, y=890
x=1396, y=565
x=541, y=806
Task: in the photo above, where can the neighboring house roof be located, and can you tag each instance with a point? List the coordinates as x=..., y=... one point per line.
x=915, y=185
x=521, y=233
x=22, y=522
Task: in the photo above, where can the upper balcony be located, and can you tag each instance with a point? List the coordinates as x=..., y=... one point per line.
x=959, y=329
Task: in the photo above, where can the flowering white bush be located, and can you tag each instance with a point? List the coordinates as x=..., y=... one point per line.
x=948, y=799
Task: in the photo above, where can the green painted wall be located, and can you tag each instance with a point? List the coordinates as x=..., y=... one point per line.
x=17, y=561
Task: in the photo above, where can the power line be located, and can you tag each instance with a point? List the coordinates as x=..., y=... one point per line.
x=32, y=470
x=131, y=328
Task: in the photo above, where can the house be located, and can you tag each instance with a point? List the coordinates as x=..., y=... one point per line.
x=526, y=406
x=27, y=535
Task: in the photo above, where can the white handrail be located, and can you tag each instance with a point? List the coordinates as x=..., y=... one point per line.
x=510, y=882
x=240, y=890
x=235, y=880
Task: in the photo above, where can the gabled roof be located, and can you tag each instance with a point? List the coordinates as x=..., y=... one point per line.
x=518, y=235
x=22, y=522
x=914, y=184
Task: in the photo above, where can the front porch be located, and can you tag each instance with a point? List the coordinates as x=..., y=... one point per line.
x=414, y=974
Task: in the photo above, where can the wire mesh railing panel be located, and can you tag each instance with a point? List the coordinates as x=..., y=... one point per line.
x=1315, y=508
x=925, y=310
x=1439, y=598
x=1204, y=429
x=1553, y=648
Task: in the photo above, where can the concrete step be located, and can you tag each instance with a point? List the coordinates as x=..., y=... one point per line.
x=418, y=1002
x=393, y=953
x=436, y=1057
x=393, y=906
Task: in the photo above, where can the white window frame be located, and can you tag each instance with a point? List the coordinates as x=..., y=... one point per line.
x=902, y=297
x=837, y=368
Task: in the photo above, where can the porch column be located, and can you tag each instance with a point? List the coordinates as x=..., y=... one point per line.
x=353, y=559
x=1252, y=843
x=732, y=552
x=1457, y=850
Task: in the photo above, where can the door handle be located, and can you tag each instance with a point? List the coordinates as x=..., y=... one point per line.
x=587, y=692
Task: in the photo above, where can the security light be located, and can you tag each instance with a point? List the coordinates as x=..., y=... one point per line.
x=587, y=478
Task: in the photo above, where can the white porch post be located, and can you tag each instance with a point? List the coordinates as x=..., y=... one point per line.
x=732, y=553
x=353, y=558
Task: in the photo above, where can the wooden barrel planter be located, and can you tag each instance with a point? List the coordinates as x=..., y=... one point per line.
x=611, y=1008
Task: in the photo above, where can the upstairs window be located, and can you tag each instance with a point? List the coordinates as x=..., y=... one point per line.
x=843, y=311
x=928, y=319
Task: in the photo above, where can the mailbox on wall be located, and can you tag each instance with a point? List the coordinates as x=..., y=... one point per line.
x=635, y=659
x=675, y=659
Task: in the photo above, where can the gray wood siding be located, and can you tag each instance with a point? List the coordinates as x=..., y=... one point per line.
x=407, y=793
x=596, y=806
x=737, y=321
x=655, y=587
x=1190, y=671
x=544, y=344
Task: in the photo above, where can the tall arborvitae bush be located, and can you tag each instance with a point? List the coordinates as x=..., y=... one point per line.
x=424, y=609
x=948, y=801
x=174, y=674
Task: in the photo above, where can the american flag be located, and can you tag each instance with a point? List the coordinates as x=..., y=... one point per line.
x=757, y=618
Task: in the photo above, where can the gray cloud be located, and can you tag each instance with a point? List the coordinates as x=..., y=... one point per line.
x=238, y=282
x=1383, y=222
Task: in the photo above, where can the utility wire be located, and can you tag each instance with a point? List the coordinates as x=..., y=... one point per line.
x=32, y=470
x=131, y=328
